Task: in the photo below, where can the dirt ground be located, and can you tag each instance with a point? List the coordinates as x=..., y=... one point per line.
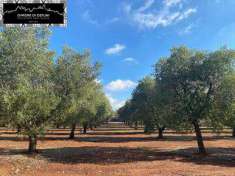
x=116, y=152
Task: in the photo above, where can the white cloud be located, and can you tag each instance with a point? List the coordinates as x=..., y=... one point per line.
x=116, y=104
x=148, y=18
x=187, y=13
x=130, y=59
x=87, y=17
x=127, y=8
x=186, y=30
x=147, y=5
x=98, y=81
x=170, y=3
x=118, y=85
x=112, y=20
x=117, y=48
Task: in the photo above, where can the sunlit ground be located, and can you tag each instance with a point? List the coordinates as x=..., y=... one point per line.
x=117, y=152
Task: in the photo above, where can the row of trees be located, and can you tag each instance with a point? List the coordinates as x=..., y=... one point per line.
x=39, y=90
x=188, y=89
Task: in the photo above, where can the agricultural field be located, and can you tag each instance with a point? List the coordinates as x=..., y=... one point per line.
x=117, y=150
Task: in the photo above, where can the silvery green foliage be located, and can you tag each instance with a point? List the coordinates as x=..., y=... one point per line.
x=146, y=105
x=95, y=108
x=26, y=86
x=193, y=80
x=82, y=99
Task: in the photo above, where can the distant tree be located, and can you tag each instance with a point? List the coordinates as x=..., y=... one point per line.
x=148, y=102
x=142, y=102
x=95, y=109
x=103, y=109
x=126, y=113
x=27, y=99
x=146, y=105
x=224, y=108
x=73, y=76
x=192, y=79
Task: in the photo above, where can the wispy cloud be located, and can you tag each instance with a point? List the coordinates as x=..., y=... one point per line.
x=147, y=5
x=116, y=87
x=115, y=103
x=186, y=30
x=225, y=36
x=130, y=60
x=186, y=13
x=170, y=3
x=119, y=85
x=148, y=17
x=112, y=20
x=87, y=17
x=117, y=48
x=98, y=81
x=88, y=10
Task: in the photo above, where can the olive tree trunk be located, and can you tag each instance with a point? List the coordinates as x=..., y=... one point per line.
x=32, y=143
x=233, y=132
x=72, y=133
x=201, y=147
x=136, y=125
x=18, y=129
x=84, y=128
x=160, y=132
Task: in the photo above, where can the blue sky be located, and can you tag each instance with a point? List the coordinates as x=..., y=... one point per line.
x=129, y=36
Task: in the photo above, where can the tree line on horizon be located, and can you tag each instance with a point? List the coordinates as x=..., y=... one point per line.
x=39, y=89
x=188, y=90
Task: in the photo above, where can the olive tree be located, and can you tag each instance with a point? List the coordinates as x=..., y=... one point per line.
x=126, y=113
x=27, y=98
x=103, y=108
x=225, y=104
x=142, y=102
x=95, y=109
x=146, y=105
x=74, y=77
x=192, y=80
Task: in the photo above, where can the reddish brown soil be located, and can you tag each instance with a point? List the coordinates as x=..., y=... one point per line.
x=120, y=153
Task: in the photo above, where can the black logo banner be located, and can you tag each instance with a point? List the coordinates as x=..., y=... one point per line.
x=33, y=13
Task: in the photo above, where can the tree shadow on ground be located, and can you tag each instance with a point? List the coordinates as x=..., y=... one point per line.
x=117, y=139
x=96, y=133
x=115, y=155
x=103, y=155
x=91, y=133
x=217, y=156
x=108, y=132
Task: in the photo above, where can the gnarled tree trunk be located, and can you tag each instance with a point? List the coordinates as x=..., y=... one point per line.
x=136, y=125
x=201, y=147
x=72, y=133
x=32, y=143
x=160, y=132
x=84, y=128
x=18, y=129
